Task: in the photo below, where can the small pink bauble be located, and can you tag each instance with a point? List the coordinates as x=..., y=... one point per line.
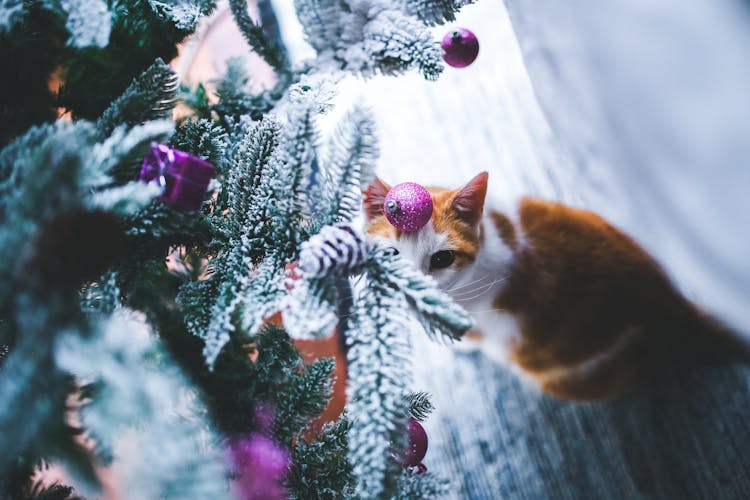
x=408, y=206
x=460, y=47
x=417, y=447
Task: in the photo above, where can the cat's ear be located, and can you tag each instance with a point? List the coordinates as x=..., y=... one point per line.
x=469, y=201
x=375, y=198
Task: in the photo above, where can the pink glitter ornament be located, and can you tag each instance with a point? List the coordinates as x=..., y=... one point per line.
x=460, y=47
x=408, y=206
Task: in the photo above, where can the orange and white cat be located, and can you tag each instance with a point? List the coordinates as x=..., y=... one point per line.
x=573, y=301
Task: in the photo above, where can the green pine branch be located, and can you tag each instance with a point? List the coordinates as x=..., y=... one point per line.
x=304, y=399
x=432, y=12
x=320, y=469
x=416, y=486
x=150, y=96
x=350, y=163
x=420, y=405
x=253, y=33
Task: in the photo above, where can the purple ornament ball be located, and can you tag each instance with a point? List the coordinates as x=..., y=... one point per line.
x=408, y=206
x=261, y=466
x=417, y=447
x=460, y=47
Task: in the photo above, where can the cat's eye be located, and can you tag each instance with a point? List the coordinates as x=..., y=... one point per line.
x=442, y=259
x=394, y=250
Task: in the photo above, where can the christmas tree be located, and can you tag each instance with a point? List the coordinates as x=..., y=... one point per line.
x=145, y=260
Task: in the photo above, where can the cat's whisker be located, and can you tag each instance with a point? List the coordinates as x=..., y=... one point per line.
x=483, y=278
x=462, y=297
x=473, y=297
x=472, y=294
x=472, y=290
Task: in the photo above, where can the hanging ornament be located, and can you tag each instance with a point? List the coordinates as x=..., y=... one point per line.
x=460, y=47
x=417, y=447
x=408, y=206
x=260, y=467
x=183, y=177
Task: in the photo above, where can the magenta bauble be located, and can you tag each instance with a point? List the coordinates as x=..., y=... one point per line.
x=460, y=47
x=408, y=206
x=417, y=447
x=260, y=467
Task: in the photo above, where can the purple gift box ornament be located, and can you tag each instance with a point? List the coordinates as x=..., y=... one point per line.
x=183, y=177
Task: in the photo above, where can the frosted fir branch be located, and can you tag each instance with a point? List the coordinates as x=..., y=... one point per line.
x=335, y=250
x=248, y=278
x=247, y=300
x=393, y=43
x=249, y=188
x=196, y=300
x=321, y=21
x=310, y=308
x=258, y=41
x=11, y=13
x=33, y=392
x=320, y=466
x=89, y=22
x=173, y=452
x=263, y=295
x=303, y=401
x=378, y=377
x=219, y=325
x=371, y=37
x=45, y=157
x=150, y=96
x=182, y=14
x=350, y=166
x=438, y=314
x=126, y=199
x=432, y=12
x=420, y=405
x=425, y=485
x=236, y=97
x=242, y=217
x=292, y=162
x=41, y=176
x=122, y=143
x=314, y=91
x=203, y=138
x=101, y=297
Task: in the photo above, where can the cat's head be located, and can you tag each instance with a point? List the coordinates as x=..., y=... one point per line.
x=448, y=244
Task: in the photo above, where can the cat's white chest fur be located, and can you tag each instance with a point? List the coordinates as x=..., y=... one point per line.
x=476, y=290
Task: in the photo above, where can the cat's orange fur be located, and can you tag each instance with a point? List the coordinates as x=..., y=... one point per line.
x=595, y=313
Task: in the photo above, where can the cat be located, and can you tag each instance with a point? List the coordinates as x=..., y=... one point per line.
x=558, y=291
